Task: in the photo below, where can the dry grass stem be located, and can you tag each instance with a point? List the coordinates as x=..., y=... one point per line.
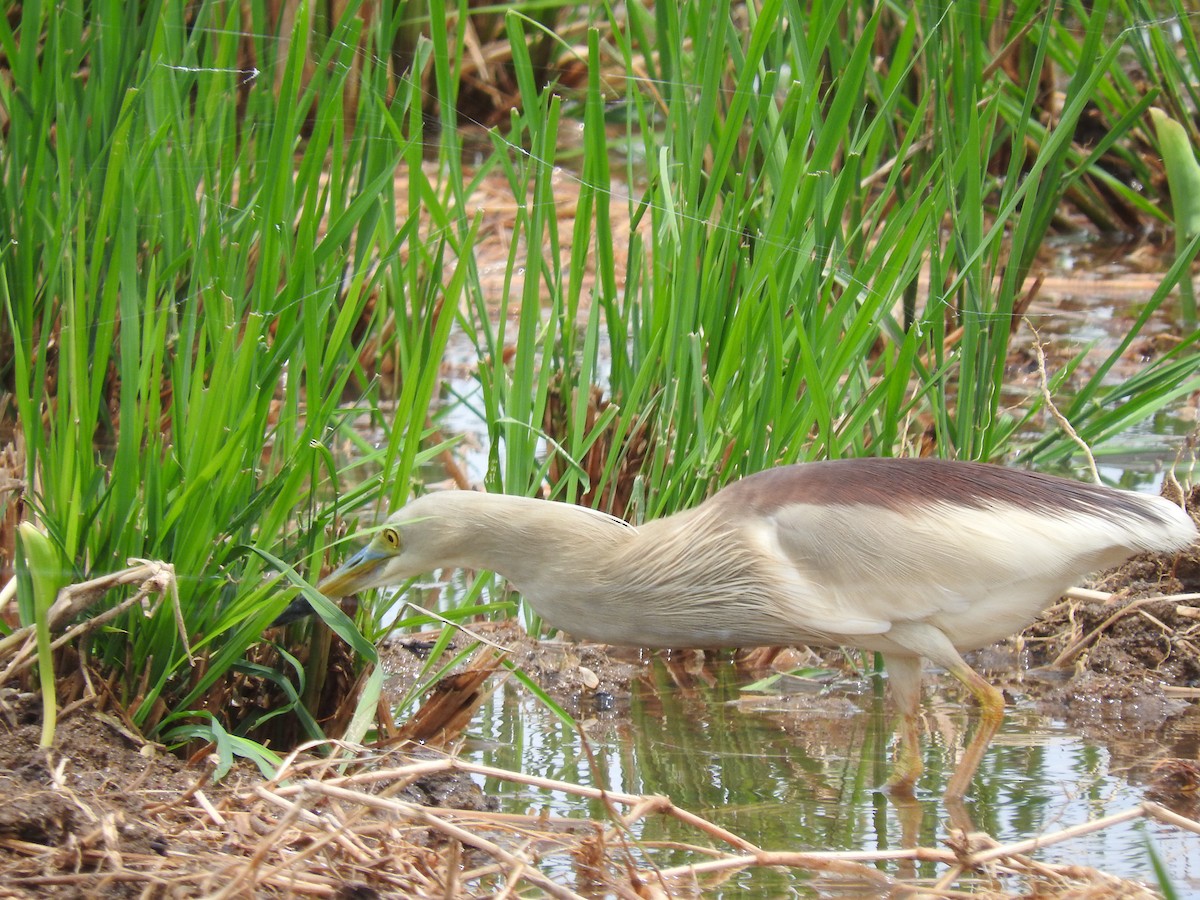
x=319, y=811
x=315, y=837
x=152, y=577
x=1077, y=646
x=1063, y=423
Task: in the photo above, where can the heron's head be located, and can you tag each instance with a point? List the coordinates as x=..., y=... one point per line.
x=420, y=537
x=530, y=542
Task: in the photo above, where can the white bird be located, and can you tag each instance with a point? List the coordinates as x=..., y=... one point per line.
x=913, y=558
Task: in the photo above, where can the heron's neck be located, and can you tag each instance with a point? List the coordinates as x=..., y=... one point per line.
x=602, y=580
x=542, y=546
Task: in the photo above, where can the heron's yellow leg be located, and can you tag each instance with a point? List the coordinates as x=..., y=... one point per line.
x=991, y=707
x=905, y=673
x=904, y=676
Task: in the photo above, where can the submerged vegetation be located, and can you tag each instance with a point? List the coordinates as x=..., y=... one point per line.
x=236, y=247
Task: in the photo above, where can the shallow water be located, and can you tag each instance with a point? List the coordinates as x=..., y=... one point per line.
x=800, y=771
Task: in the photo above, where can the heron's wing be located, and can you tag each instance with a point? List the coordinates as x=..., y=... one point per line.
x=861, y=569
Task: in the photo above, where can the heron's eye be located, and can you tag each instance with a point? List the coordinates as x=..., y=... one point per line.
x=391, y=537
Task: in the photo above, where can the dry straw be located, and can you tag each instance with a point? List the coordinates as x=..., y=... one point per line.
x=317, y=833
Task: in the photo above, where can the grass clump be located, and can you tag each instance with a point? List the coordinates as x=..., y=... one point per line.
x=203, y=263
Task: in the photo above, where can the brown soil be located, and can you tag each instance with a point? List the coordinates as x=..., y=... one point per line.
x=581, y=678
x=92, y=788
x=105, y=814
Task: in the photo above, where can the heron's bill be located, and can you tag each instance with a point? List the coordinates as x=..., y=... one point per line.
x=355, y=574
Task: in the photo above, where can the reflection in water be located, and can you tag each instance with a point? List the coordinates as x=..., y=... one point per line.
x=801, y=773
